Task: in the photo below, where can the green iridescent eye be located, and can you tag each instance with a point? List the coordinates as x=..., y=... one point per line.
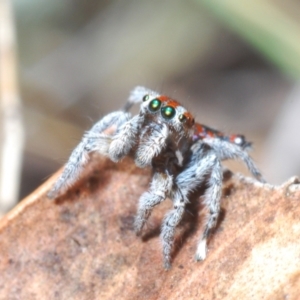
x=168, y=112
x=146, y=98
x=154, y=105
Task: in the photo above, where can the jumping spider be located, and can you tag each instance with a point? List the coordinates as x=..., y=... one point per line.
x=183, y=154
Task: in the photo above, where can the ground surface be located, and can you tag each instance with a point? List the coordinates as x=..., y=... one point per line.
x=82, y=245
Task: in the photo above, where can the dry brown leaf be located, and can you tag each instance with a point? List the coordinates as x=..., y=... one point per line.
x=82, y=245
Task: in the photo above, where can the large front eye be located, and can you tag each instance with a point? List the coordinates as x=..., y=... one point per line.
x=168, y=112
x=154, y=105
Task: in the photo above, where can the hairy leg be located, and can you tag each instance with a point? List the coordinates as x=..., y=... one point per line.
x=227, y=150
x=169, y=225
x=97, y=139
x=187, y=181
x=125, y=138
x=212, y=202
x=204, y=162
x=160, y=187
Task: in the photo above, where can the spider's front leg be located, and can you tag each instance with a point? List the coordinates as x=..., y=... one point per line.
x=212, y=202
x=97, y=139
x=160, y=187
x=204, y=162
x=169, y=225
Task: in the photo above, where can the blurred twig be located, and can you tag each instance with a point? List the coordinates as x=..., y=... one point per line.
x=12, y=129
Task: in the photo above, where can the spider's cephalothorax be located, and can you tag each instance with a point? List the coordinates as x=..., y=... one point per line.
x=183, y=154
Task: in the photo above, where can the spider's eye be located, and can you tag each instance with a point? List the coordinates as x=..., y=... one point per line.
x=154, y=105
x=168, y=112
x=182, y=118
x=146, y=98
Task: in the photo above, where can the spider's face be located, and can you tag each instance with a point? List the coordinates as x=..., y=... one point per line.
x=163, y=109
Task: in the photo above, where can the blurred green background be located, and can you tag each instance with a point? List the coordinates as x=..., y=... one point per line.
x=234, y=64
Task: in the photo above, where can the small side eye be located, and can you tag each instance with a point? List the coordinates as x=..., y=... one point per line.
x=146, y=98
x=168, y=112
x=154, y=105
x=182, y=118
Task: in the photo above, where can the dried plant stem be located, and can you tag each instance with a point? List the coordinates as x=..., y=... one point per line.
x=12, y=136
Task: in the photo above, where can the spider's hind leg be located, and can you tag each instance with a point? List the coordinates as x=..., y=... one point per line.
x=227, y=150
x=171, y=221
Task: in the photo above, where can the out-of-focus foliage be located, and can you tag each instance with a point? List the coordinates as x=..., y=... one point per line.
x=272, y=27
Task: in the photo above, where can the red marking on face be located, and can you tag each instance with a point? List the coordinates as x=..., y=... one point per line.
x=168, y=101
x=190, y=121
x=163, y=99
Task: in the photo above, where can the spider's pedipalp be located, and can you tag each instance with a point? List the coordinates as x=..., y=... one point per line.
x=152, y=142
x=125, y=138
